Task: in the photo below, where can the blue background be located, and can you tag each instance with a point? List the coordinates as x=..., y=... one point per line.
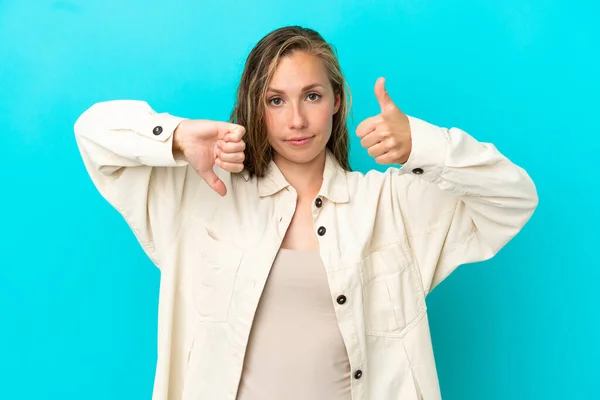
x=78, y=297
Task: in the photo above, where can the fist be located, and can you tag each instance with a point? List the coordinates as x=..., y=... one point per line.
x=386, y=136
x=206, y=143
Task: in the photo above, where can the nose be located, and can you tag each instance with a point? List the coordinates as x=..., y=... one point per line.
x=298, y=118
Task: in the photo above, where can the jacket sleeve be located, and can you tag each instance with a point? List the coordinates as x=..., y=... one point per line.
x=127, y=151
x=463, y=203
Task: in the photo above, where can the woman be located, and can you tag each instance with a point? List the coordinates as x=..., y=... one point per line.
x=284, y=275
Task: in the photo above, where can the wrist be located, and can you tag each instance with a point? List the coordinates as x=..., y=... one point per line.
x=177, y=134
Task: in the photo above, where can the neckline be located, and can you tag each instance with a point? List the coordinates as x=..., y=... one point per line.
x=286, y=250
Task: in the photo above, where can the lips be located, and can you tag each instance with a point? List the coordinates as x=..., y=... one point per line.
x=300, y=140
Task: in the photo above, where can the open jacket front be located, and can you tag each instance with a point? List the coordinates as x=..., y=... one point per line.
x=386, y=240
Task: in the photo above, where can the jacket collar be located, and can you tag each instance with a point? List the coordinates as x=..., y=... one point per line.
x=334, y=187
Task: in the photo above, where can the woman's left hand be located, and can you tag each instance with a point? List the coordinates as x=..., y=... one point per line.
x=386, y=136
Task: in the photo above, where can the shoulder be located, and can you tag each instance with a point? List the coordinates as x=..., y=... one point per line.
x=394, y=185
x=370, y=179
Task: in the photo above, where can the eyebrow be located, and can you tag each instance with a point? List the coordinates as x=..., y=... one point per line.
x=305, y=88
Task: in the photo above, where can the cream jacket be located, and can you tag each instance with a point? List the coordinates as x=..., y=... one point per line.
x=386, y=239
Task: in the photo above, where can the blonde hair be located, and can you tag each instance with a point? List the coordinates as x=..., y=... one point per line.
x=250, y=106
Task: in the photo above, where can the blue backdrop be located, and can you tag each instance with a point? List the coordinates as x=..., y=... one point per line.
x=78, y=297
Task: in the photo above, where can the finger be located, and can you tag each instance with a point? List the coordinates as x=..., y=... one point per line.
x=213, y=181
x=231, y=147
x=233, y=167
x=371, y=139
x=367, y=126
x=226, y=128
x=383, y=97
x=237, y=157
x=377, y=150
x=391, y=157
x=235, y=134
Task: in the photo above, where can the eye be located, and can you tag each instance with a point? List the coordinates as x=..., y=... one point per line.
x=276, y=101
x=313, y=96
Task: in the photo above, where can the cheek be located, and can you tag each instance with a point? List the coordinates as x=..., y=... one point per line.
x=271, y=122
x=269, y=119
x=323, y=119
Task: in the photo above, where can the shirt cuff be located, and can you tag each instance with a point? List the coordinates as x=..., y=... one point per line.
x=429, y=148
x=159, y=152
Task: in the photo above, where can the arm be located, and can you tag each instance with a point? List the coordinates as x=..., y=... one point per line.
x=464, y=203
x=127, y=150
x=460, y=200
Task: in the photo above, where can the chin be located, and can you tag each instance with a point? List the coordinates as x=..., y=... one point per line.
x=301, y=156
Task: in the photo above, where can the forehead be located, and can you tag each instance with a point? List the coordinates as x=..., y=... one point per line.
x=298, y=70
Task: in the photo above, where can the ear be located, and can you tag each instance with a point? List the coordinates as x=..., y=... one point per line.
x=338, y=103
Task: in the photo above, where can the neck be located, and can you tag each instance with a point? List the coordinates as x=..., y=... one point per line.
x=306, y=178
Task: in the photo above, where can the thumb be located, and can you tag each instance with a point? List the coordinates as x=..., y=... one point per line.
x=383, y=97
x=213, y=181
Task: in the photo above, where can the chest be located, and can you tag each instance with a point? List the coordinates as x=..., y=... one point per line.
x=300, y=234
x=227, y=251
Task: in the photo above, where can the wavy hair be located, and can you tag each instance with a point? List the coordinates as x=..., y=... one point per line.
x=250, y=105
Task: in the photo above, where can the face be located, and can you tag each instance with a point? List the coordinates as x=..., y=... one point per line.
x=300, y=108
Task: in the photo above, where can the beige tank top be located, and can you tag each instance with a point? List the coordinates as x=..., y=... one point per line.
x=295, y=350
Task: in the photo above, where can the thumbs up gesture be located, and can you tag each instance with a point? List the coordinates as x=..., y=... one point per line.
x=386, y=136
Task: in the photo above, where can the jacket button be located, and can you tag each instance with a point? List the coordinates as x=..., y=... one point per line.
x=321, y=231
x=341, y=299
x=318, y=202
x=357, y=374
x=417, y=171
x=157, y=130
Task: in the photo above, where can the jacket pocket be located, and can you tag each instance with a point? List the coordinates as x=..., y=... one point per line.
x=393, y=299
x=213, y=276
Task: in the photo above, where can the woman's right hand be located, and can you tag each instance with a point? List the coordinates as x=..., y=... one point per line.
x=206, y=143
